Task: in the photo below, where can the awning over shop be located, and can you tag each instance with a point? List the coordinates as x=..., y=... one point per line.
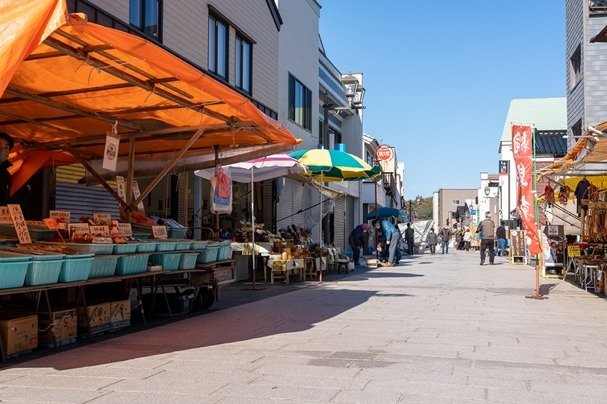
x=588, y=157
x=66, y=83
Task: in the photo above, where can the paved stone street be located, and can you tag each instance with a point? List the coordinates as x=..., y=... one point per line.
x=435, y=329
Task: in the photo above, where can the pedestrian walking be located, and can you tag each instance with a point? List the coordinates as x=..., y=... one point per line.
x=410, y=238
x=357, y=240
x=432, y=239
x=445, y=235
x=486, y=230
x=500, y=235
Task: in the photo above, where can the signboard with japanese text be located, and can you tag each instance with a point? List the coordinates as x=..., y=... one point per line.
x=121, y=187
x=103, y=231
x=102, y=219
x=78, y=228
x=159, y=232
x=125, y=229
x=5, y=216
x=504, y=167
x=522, y=150
x=61, y=216
x=517, y=243
x=21, y=229
x=385, y=156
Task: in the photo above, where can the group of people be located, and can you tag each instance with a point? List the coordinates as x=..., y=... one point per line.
x=491, y=238
x=389, y=239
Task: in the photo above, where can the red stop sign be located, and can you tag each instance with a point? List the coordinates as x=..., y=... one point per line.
x=384, y=153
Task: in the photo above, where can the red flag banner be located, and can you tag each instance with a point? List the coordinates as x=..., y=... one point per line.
x=522, y=150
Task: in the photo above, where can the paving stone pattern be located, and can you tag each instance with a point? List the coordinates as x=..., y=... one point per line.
x=437, y=328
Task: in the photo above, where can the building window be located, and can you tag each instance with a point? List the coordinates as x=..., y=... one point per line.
x=218, y=47
x=146, y=15
x=576, y=130
x=300, y=103
x=455, y=202
x=575, y=67
x=243, y=64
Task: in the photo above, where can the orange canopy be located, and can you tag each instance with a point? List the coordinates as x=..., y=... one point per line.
x=65, y=82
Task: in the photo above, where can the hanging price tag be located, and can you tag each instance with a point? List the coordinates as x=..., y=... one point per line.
x=125, y=229
x=121, y=187
x=137, y=194
x=159, y=232
x=5, y=216
x=21, y=229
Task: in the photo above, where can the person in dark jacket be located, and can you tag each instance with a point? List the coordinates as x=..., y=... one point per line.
x=357, y=240
x=500, y=235
x=410, y=239
x=6, y=144
x=432, y=240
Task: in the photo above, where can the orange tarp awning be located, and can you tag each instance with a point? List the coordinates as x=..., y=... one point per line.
x=65, y=82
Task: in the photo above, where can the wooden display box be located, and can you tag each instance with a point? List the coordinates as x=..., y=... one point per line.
x=60, y=327
x=19, y=334
x=99, y=317
x=223, y=275
x=120, y=314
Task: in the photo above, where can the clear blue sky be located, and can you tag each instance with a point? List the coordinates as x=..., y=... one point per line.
x=440, y=75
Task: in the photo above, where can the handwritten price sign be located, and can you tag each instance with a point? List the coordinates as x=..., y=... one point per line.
x=5, y=216
x=125, y=229
x=21, y=229
x=159, y=232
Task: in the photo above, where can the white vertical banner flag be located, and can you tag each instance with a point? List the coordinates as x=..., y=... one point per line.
x=110, y=155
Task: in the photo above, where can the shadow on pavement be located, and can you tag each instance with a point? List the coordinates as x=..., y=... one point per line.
x=264, y=318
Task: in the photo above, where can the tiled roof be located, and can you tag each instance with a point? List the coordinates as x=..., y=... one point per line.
x=551, y=142
x=543, y=113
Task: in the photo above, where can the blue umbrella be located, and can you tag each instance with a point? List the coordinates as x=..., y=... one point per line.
x=384, y=212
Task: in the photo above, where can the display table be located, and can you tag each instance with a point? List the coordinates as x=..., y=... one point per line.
x=280, y=268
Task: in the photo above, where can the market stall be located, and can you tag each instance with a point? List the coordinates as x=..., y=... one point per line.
x=580, y=178
x=73, y=91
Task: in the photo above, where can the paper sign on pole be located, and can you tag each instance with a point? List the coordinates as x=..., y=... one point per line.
x=125, y=229
x=137, y=194
x=102, y=219
x=78, y=229
x=61, y=216
x=121, y=187
x=21, y=229
x=103, y=231
x=5, y=216
x=159, y=232
x=110, y=156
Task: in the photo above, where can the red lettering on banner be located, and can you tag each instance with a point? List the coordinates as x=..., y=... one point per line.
x=522, y=149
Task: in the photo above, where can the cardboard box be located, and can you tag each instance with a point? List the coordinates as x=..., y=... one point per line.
x=19, y=334
x=98, y=315
x=120, y=313
x=58, y=327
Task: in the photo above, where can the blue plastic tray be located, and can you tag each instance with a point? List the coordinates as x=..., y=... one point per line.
x=13, y=269
x=132, y=264
x=225, y=251
x=209, y=254
x=44, y=269
x=188, y=260
x=169, y=261
x=198, y=245
x=165, y=246
x=181, y=245
x=76, y=268
x=177, y=232
x=146, y=246
x=103, y=266
x=124, y=248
